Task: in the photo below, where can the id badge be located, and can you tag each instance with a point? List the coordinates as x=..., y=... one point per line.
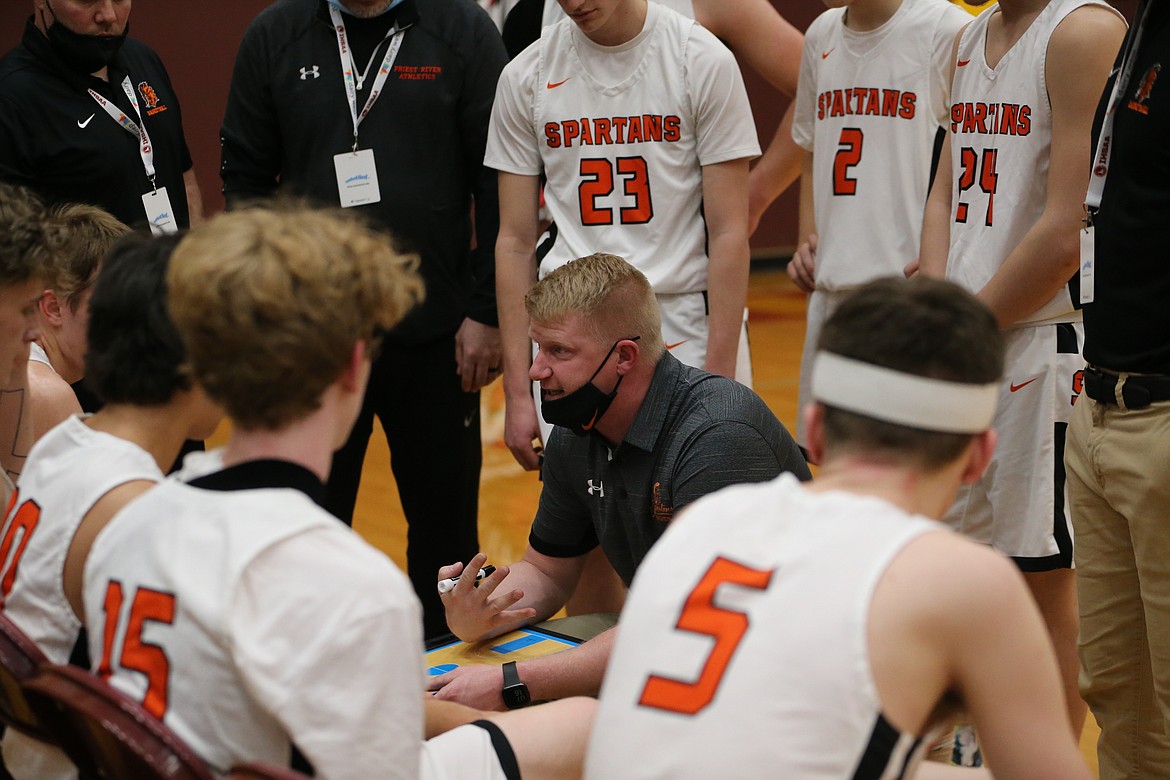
x=1088, y=270
x=159, y=213
x=357, y=178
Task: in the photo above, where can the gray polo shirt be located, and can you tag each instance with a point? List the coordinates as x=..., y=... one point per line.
x=694, y=434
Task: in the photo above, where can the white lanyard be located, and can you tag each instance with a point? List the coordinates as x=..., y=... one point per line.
x=145, y=149
x=1104, y=152
x=348, y=68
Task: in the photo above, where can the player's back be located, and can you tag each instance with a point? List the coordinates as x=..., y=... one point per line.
x=224, y=610
x=743, y=643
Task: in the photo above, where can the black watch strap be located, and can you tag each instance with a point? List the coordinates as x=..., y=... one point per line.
x=511, y=676
x=515, y=693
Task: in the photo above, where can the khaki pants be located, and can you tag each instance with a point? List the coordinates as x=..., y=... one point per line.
x=1118, y=471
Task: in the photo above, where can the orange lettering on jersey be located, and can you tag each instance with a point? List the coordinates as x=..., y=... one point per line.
x=606, y=131
x=586, y=132
x=873, y=102
x=890, y=102
x=906, y=105
x=634, y=135
x=601, y=128
x=672, y=128
x=652, y=127
x=571, y=131
x=552, y=135
x=866, y=101
x=991, y=118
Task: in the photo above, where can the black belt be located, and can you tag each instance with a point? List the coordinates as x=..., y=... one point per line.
x=1138, y=391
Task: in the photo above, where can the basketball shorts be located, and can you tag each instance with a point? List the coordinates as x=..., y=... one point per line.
x=821, y=304
x=684, y=332
x=1019, y=506
x=477, y=751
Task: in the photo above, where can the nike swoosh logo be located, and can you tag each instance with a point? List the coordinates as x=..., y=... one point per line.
x=589, y=426
x=825, y=55
x=677, y=344
x=963, y=63
x=468, y=420
x=82, y=125
x=551, y=85
x=1014, y=388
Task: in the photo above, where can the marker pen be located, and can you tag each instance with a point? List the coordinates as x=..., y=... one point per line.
x=449, y=583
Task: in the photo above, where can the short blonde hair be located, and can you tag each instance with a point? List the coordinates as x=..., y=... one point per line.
x=614, y=298
x=81, y=236
x=270, y=303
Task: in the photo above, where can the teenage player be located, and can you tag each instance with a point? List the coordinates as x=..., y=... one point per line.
x=85, y=469
x=235, y=607
x=874, y=92
x=1002, y=220
x=638, y=119
x=25, y=256
x=82, y=236
x=825, y=631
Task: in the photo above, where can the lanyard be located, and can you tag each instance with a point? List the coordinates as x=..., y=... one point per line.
x=1104, y=150
x=145, y=148
x=348, y=68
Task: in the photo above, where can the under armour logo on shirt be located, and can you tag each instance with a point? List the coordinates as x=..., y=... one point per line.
x=314, y=71
x=599, y=487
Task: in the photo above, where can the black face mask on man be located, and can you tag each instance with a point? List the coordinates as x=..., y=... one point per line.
x=580, y=410
x=83, y=53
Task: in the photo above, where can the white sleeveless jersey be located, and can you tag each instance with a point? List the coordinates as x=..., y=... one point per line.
x=165, y=584
x=1001, y=138
x=67, y=471
x=37, y=354
x=622, y=133
x=743, y=650
x=553, y=12
x=868, y=106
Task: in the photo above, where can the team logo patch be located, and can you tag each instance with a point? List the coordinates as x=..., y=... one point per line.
x=1142, y=94
x=659, y=509
x=150, y=99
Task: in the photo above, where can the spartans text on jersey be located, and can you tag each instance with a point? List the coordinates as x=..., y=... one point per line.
x=866, y=101
x=991, y=118
x=646, y=128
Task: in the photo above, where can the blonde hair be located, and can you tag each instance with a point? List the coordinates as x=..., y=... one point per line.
x=270, y=303
x=614, y=298
x=81, y=236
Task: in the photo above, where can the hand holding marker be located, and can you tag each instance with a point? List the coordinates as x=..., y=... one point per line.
x=449, y=583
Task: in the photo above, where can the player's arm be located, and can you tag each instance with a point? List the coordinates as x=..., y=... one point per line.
x=530, y=590
x=515, y=273
x=1080, y=55
x=725, y=209
x=777, y=168
x=194, y=197
x=935, y=242
x=802, y=267
x=577, y=671
x=1003, y=668
x=442, y=716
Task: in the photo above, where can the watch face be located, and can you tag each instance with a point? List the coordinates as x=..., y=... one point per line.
x=516, y=696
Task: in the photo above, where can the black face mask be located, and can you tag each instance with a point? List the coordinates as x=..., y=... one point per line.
x=84, y=53
x=580, y=410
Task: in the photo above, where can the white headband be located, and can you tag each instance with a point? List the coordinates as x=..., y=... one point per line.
x=904, y=399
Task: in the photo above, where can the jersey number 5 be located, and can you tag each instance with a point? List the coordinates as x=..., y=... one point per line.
x=597, y=180
x=148, y=606
x=727, y=627
x=24, y=522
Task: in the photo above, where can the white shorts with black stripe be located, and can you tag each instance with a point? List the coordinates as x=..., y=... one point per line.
x=477, y=751
x=1019, y=506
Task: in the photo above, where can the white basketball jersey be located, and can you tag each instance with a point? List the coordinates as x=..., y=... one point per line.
x=68, y=470
x=161, y=586
x=743, y=651
x=622, y=133
x=553, y=12
x=868, y=106
x=1001, y=138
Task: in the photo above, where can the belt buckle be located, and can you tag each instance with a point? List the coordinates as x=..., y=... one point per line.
x=1096, y=386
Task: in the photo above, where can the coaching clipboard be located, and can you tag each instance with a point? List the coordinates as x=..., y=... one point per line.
x=448, y=652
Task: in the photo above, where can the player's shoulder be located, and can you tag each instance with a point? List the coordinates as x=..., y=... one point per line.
x=829, y=22
x=965, y=576
x=1088, y=24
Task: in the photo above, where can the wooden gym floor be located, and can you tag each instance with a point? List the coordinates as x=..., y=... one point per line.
x=508, y=495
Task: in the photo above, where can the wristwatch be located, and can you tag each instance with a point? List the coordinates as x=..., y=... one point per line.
x=515, y=692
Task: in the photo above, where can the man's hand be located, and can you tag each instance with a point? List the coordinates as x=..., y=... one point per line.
x=522, y=431
x=477, y=686
x=802, y=266
x=477, y=354
x=474, y=613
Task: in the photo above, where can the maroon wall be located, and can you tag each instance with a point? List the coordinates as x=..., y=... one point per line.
x=198, y=42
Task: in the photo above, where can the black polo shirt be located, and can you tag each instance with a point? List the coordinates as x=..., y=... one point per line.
x=56, y=139
x=1127, y=327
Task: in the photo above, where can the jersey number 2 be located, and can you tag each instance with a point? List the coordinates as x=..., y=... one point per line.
x=148, y=606
x=848, y=155
x=727, y=627
x=597, y=181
